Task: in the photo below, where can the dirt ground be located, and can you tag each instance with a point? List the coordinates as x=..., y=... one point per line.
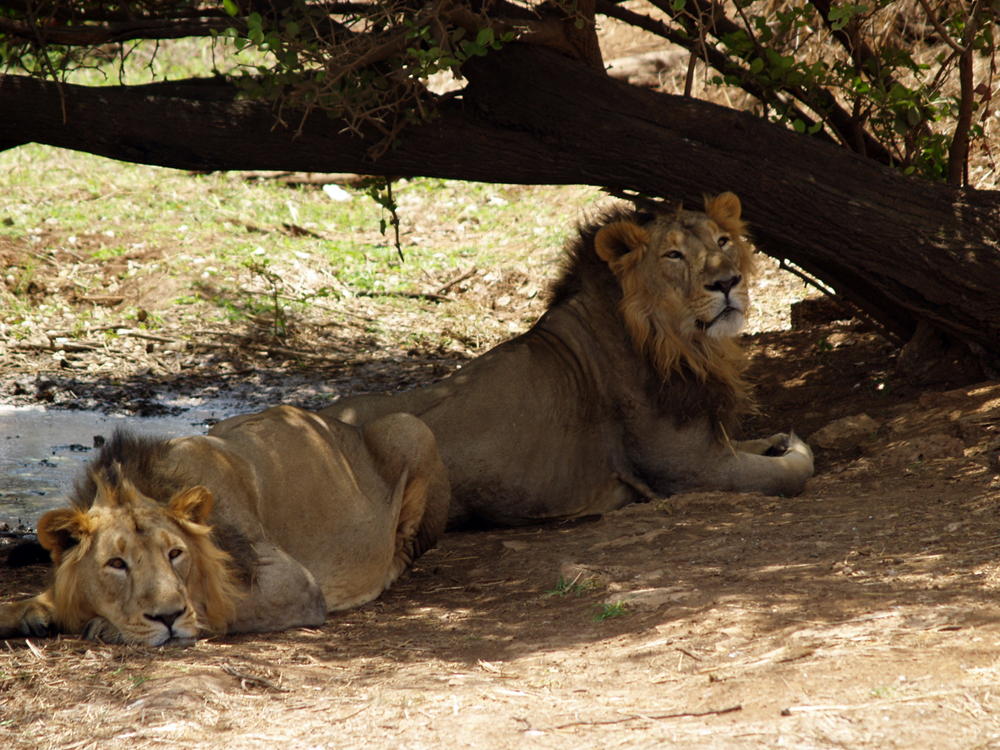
x=862, y=613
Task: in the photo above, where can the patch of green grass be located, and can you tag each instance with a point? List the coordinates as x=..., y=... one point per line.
x=608, y=610
x=109, y=252
x=575, y=586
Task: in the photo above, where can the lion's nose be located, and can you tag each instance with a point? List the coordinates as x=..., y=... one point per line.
x=167, y=618
x=724, y=285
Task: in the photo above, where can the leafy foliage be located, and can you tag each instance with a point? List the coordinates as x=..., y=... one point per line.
x=879, y=77
x=891, y=79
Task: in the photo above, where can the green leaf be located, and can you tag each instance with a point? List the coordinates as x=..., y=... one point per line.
x=485, y=37
x=230, y=7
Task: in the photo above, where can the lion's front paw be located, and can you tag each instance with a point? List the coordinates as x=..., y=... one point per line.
x=778, y=444
x=37, y=620
x=101, y=630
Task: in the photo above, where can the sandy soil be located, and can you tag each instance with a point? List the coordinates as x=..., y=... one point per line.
x=861, y=614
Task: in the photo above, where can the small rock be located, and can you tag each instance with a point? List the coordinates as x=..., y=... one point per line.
x=922, y=448
x=649, y=599
x=515, y=546
x=846, y=432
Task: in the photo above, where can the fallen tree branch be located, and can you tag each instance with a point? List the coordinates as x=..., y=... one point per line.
x=938, y=256
x=652, y=717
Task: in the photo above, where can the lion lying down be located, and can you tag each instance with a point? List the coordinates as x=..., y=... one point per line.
x=269, y=522
x=628, y=386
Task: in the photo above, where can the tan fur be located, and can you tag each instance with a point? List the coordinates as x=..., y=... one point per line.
x=267, y=523
x=633, y=378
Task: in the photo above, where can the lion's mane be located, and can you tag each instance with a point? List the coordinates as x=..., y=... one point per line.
x=126, y=465
x=694, y=374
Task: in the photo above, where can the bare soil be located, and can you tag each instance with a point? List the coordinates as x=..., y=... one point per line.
x=862, y=613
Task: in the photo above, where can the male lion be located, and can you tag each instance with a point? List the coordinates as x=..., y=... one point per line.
x=268, y=522
x=627, y=386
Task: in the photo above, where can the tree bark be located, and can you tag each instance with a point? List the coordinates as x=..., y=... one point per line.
x=904, y=250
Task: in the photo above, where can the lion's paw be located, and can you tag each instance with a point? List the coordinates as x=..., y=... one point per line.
x=778, y=444
x=101, y=630
x=37, y=620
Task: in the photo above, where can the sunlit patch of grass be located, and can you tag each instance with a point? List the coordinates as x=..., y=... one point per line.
x=196, y=236
x=610, y=610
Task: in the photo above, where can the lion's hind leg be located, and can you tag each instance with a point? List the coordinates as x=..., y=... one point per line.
x=406, y=456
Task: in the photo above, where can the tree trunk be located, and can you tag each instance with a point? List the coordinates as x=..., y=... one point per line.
x=904, y=250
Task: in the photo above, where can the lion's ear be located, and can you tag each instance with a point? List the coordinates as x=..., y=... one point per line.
x=619, y=238
x=193, y=504
x=60, y=530
x=724, y=209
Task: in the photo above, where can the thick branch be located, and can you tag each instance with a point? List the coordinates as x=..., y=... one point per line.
x=123, y=31
x=903, y=249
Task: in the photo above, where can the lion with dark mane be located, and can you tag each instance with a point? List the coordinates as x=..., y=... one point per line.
x=268, y=522
x=628, y=386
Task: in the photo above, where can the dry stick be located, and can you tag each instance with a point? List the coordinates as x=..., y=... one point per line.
x=37, y=652
x=269, y=350
x=243, y=677
x=148, y=336
x=457, y=280
x=652, y=717
x=430, y=296
x=687, y=653
x=213, y=345
x=68, y=346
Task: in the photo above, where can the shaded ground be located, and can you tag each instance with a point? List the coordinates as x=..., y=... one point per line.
x=860, y=614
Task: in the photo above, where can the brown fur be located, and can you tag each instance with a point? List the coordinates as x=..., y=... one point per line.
x=632, y=378
x=269, y=522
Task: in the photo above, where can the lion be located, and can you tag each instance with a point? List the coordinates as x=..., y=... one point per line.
x=627, y=388
x=269, y=522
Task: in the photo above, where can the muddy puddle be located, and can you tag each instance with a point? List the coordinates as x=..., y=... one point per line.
x=42, y=450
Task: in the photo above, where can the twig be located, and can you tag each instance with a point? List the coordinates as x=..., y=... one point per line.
x=65, y=346
x=638, y=485
x=687, y=653
x=131, y=332
x=296, y=231
x=785, y=265
x=268, y=350
x=433, y=297
x=652, y=717
x=345, y=717
x=457, y=280
x=34, y=649
x=244, y=678
x=941, y=30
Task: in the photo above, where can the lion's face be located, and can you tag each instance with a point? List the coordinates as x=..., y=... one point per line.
x=691, y=265
x=697, y=265
x=125, y=564
x=684, y=279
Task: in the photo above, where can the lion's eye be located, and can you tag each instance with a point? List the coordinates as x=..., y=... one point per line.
x=723, y=241
x=117, y=563
x=175, y=553
x=674, y=254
